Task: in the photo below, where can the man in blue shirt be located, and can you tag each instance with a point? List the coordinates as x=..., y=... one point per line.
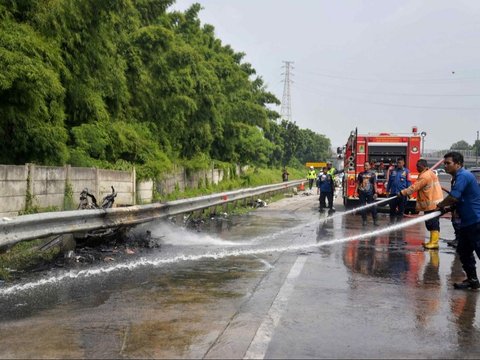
x=465, y=197
x=398, y=179
x=326, y=185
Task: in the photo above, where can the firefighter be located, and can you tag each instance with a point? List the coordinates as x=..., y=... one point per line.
x=429, y=194
x=398, y=180
x=311, y=176
x=391, y=166
x=332, y=172
x=326, y=185
x=367, y=192
x=465, y=196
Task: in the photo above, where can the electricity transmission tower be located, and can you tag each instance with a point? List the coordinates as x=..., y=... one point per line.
x=286, y=109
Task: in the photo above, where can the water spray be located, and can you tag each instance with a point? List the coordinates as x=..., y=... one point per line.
x=211, y=255
x=367, y=206
x=360, y=208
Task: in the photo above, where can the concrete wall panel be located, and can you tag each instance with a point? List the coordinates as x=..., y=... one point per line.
x=13, y=188
x=13, y=205
x=145, y=192
x=48, y=185
x=13, y=172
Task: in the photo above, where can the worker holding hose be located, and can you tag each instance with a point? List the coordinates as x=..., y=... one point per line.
x=429, y=194
x=465, y=196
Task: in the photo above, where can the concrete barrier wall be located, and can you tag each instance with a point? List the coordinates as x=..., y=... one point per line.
x=13, y=189
x=167, y=185
x=47, y=186
x=122, y=181
x=145, y=192
x=80, y=178
x=182, y=179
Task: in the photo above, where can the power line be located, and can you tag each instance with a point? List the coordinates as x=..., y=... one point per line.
x=396, y=105
x=286, y=109
x=368, y=92
x=454, y=78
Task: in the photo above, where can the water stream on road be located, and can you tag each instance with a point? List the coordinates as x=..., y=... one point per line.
x=214, y=254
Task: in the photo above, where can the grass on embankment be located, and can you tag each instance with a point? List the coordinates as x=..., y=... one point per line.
x=23, y=256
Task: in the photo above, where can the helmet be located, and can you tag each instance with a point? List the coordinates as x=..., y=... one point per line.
x=329, y=163
x=311, y=167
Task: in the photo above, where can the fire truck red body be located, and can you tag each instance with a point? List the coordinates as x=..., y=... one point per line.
x=381, y=151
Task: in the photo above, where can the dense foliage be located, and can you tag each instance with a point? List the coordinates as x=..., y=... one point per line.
x=116, y=83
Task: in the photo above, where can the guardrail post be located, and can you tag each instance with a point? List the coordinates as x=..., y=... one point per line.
x=179, y=219
x=213, y=210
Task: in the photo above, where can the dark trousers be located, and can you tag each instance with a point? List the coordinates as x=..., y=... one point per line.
x=366, y=198
x=432, y=224
x=456, y=227
x=326, y=195
x=468, y=244
x=397, y=206
x=310, y=184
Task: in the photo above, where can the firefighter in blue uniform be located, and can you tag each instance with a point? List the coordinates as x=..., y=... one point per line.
x=398, y=180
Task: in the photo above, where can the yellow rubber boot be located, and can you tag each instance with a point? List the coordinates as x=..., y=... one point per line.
x=433, y=243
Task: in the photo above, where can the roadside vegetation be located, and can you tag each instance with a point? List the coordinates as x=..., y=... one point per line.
x=24, y=256
x=117, y=84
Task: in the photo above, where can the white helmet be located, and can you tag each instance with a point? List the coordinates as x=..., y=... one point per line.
x=311, y=167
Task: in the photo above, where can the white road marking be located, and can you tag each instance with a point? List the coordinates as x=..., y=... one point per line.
x=259, y=345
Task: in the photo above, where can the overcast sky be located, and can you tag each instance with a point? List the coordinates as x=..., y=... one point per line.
x=378, y=65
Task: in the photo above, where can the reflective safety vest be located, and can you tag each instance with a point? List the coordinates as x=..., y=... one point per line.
x=312, y=174
x=429, y=191
x=332, y=172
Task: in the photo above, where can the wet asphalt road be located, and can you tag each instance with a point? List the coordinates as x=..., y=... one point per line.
x=260, y=285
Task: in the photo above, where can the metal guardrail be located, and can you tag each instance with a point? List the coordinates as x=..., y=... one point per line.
x=27, y=227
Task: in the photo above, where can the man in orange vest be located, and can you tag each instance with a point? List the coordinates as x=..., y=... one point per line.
x=429, y=194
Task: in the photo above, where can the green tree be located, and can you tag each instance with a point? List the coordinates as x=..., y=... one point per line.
x=312, y=147
x=31, y=97
x=121, y=83
x=460, y=145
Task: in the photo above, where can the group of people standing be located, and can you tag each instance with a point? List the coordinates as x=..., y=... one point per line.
x=463, y=200
x=325, y=182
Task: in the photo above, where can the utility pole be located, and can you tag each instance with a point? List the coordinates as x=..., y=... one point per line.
x=286, y=109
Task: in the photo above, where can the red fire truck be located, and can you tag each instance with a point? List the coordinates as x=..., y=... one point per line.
x=381, y=151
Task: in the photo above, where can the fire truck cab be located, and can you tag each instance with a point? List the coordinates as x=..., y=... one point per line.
x=381, y=150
